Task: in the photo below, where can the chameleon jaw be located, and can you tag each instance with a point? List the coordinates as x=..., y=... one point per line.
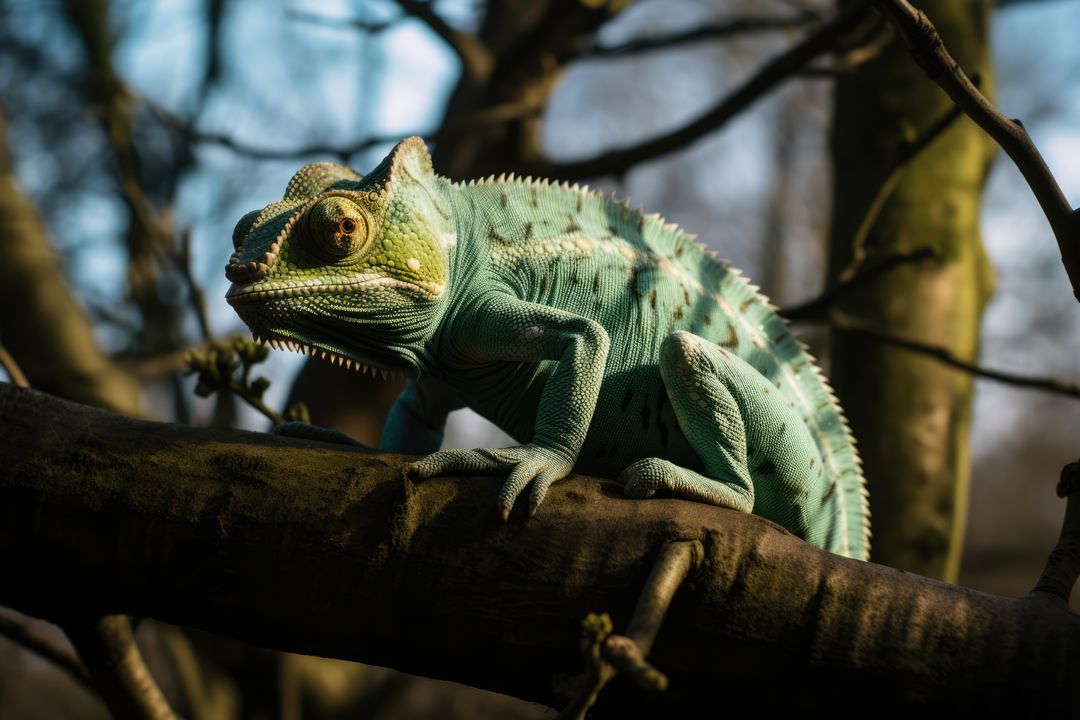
x=334, y=358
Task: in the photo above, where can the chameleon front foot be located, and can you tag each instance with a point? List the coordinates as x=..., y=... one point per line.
x=528, y=466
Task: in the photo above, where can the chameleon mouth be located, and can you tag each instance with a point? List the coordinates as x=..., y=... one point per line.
x=331, y=356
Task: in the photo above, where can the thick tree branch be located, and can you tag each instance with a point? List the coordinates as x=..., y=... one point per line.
x=20, y=632
x=768, y=77
x=929, y=52
x=326, y=550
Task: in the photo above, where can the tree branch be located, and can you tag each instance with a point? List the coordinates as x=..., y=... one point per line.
x=476, y=59
x=107, y=647
x=848, y=323
x=21, y=633
x=929, y=52
x=710, y=31
x=326, y=550
x=768, y=77
x=1063, y=565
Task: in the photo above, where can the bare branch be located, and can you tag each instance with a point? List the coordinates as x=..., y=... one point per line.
x=12, y=368
x=1063, y=565
x=107, y=647
x=20, y=632
x=850, y=324
x=373, y=28
x=327, y=550
x=491, y=115
x=766, y=79
x=817, y=308
x=711, y=31
x=928, y=51
x=476, y=59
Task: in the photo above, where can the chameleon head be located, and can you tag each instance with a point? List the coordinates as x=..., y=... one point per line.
x=346, y=267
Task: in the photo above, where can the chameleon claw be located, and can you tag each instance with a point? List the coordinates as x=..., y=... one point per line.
x=504, y=512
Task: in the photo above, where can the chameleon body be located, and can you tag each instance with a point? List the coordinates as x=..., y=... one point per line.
x=602, y=339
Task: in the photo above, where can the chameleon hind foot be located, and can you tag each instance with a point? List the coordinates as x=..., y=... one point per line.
x=645, y=477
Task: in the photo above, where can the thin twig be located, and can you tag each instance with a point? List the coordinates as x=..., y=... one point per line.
x=237, y=388
x=711, y=31
x=816, y=308
x=850, y=324
x=928, y=51
x=907, y=152
x=491, y=115
x=182, y=261
x=20, y=632
x=1063, y=564
x=607, y=654
x=107, y=648
x=372, y=28
x=768, y=77
x=12, y=368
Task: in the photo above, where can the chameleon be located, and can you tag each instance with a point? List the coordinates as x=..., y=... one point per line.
x=602, y=339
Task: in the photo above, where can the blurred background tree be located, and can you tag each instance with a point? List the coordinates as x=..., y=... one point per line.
x=138, y=133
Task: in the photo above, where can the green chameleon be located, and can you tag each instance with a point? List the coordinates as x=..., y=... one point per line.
x=602, y=339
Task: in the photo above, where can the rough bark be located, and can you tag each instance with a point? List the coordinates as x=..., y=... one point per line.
x=325, y=550
x=910, y=414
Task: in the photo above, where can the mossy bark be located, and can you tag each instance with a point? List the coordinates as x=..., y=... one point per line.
x=328, y=550
x=911, y=415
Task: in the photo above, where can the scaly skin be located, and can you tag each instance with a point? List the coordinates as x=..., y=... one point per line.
x=602, y=339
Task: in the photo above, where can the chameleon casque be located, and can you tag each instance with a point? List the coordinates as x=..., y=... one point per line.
x=602, y=339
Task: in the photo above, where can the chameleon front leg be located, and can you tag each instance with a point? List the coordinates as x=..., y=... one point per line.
x=417, y=420
x=506, y=329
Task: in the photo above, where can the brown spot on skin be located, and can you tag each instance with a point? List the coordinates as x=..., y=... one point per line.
x=627, y=397
x=745, y=304
x=731, y=342
x=829, y=493
x=545, y=284
x=579, y=199
x=575, y=278
x=633, y=280
x=612, y=230
x=504, y=199
x=640, y=222
x=644, y=417
x=652, y=299
x=495, y=238
x=813, y=461
x=678, y=251
x=571, y=225
x=707, y=319
x=596, y=282
x=532, y=197
x=765, y=468
x=686, y=295
x=678, y=313
x=528, y=231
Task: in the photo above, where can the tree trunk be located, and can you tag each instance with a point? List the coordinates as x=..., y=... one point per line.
x=324, y=550
x=910, y=414
x=41, y=324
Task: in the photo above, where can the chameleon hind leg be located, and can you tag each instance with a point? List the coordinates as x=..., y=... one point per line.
x=702, y=381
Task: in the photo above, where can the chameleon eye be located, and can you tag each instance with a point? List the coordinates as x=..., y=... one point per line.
x=336, y=228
